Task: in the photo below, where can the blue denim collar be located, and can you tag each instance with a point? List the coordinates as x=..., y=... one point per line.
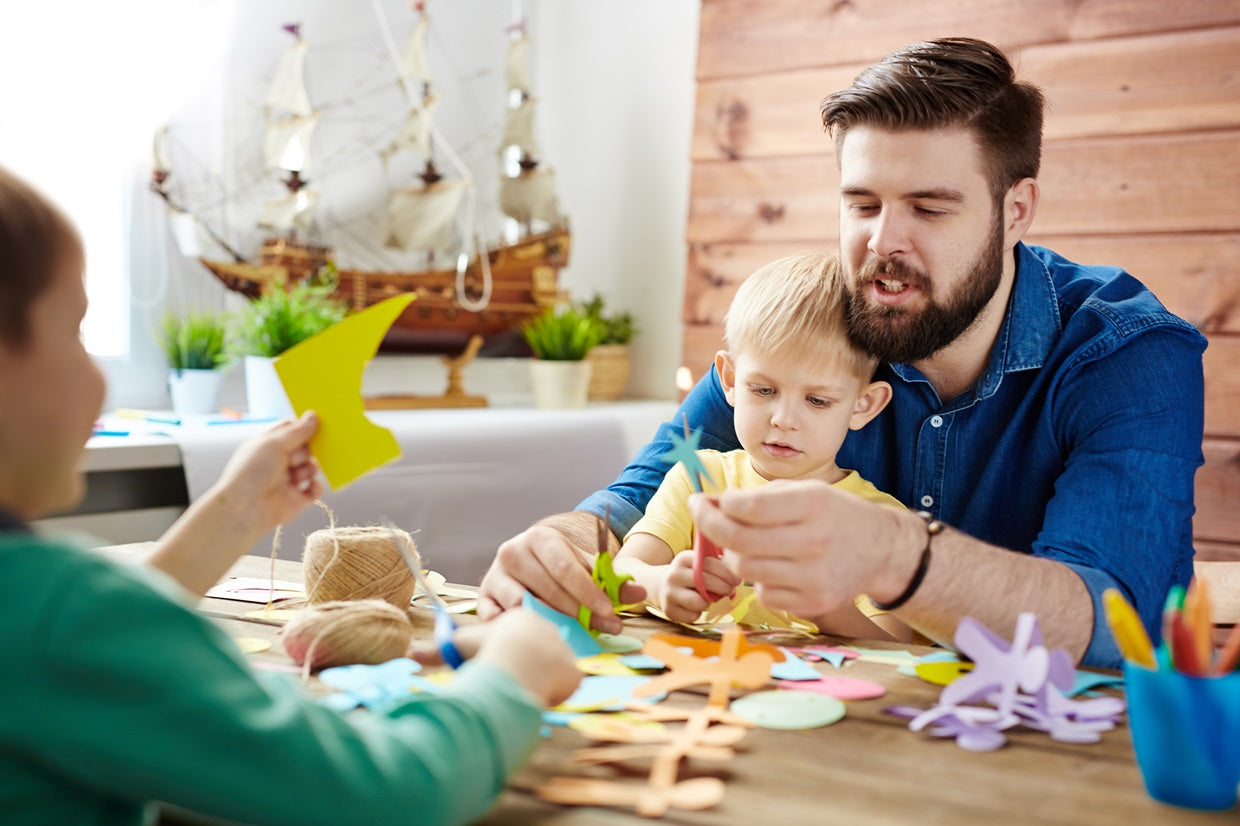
x=1030, y=328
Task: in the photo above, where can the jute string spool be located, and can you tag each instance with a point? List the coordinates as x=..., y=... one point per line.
x=355, y=563
x=349, y=632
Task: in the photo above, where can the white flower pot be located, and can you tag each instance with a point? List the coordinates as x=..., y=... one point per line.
x=264, y=395
x=194, y=392
x=560, y=384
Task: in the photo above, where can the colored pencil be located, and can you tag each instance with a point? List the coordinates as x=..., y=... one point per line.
x=1130, y=634
x=1229, y=656
x=1185, y=654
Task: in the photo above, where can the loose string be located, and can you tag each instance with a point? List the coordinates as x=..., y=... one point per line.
x=271, y=585
x=331, y=526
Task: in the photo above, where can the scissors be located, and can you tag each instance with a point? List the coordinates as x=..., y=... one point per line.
x=445, y=626
x=684, y=450
x=603, y=574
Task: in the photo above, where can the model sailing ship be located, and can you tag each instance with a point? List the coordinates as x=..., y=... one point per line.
x=459, y=295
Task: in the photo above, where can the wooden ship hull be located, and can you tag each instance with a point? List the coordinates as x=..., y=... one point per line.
x=524, y=278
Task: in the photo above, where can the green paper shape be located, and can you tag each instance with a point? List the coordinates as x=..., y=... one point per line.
x=788, y=709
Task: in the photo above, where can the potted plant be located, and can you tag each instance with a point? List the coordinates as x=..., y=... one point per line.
x=609, y=360
x=273, y=322
x=194, y=347
x=560, y=341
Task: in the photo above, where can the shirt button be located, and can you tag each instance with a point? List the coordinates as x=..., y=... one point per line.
x=927, y=501
x=936, y=421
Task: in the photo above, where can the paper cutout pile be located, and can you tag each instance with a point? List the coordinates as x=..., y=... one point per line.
x=709, y=731
x=1025, y=683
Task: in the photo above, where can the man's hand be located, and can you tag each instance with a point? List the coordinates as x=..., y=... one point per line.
x=810, y=548
x=552, y=560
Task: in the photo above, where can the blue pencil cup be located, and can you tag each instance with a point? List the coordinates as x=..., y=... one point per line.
x=1186, y=733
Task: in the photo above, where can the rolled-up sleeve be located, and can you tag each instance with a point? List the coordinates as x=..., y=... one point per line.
x=705, y=409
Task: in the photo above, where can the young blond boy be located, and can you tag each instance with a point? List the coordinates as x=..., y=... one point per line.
x=798, y=385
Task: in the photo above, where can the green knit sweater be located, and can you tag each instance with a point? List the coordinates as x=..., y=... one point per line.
x=114, y=694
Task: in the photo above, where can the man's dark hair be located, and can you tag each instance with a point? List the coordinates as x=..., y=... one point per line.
x=949, y=83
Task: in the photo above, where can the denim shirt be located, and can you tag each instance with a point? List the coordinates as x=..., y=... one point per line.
x=1079, y=442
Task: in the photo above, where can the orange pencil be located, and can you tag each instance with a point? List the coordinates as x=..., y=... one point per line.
x=1197, y=610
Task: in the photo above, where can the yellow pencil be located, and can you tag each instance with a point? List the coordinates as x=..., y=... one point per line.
x=1130, y=635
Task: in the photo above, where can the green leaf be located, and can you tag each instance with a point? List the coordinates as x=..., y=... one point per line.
x=566, y=335
x=617, y=328
x=282, y=318
x=195, y=342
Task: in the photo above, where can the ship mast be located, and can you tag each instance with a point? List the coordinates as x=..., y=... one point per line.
x=290, y=121
x=527, y=195
x=422, y=217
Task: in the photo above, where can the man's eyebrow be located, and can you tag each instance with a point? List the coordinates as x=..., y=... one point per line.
x=936, y=194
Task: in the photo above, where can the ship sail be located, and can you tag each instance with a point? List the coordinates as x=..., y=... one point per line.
x=530, y=196
x=415, y=135
x=288, y=86
x=424, y=218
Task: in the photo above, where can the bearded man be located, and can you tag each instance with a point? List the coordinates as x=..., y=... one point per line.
x=1046, y=420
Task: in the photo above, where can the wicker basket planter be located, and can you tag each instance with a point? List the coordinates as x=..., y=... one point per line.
x=610, y=373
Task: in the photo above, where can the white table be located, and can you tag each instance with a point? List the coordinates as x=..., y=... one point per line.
x=467, y=479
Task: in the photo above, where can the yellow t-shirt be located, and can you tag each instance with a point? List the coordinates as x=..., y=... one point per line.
x=667, y=516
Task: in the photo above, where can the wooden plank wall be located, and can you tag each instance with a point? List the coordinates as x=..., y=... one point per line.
x=1141, y=164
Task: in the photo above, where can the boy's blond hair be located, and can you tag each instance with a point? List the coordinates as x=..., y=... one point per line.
x=795, y=306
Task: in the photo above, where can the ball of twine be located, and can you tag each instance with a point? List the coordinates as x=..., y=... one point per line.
x=368, y=631
x=344, y=563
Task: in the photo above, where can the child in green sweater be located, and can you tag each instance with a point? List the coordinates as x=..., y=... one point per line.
x=116, y=695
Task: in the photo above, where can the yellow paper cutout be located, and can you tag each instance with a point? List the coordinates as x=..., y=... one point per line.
x=604, y=664
x=252, y=645
x=615, y=727
x=324, y=374
x=272, y=613
x=942, y=673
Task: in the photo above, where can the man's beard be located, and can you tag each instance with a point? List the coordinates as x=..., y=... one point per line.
x=895, y=334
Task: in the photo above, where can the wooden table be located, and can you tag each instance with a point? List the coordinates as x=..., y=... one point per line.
x=866, y=769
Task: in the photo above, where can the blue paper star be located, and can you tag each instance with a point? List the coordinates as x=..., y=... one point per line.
x=684, y=450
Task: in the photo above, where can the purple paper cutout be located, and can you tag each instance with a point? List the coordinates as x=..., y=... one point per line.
x=1024, y=682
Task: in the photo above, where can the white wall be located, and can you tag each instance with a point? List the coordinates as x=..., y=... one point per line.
x=617, y=81
x=616, y=91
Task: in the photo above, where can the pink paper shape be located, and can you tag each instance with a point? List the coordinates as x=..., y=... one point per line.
x=841, y=688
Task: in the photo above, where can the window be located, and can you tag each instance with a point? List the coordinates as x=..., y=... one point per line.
x=86, y=85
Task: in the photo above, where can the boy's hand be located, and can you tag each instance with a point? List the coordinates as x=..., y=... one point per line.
x=521, y=643
x=678, y=594
x=274, y=471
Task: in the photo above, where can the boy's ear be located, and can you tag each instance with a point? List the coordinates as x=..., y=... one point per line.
x=727, y=375
x=870, y=402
